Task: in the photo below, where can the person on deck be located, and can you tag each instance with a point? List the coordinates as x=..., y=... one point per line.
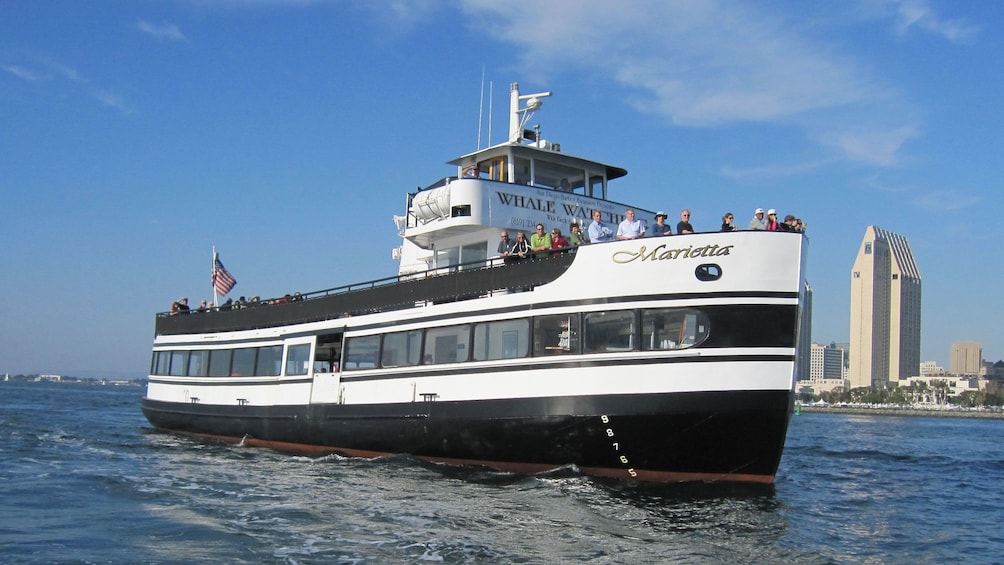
x=540, y=242
x=757, y=222
x=660, y=227
x=683, y=226
x=558, y=242
x=576, y=238
x=630, y=228
x=598, y=231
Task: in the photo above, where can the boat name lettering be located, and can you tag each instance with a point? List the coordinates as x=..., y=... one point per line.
x=662, y=253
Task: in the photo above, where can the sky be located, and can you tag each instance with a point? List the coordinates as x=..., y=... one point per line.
x=136, y=136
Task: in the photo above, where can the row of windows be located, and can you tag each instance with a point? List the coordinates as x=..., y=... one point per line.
x=561, y=334
x=652, y=329
x=244, y=362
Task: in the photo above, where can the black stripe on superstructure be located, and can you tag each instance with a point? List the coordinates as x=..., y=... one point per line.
x=534, y=307
x=758, y=318
x=739, y=433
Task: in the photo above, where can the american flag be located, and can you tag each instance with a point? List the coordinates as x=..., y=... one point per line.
x=223, y=281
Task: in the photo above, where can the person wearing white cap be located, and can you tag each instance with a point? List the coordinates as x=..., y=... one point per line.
x=772, y=223
x=660, y=227
x=757, y=222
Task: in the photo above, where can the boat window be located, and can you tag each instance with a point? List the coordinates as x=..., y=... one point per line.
x=269, y=361
x=327, y=353
x=609, y=331
x=163, y=361
x=672, y=328
x=447, y=345
x=198, y=363
x=501, y=340
x=361, y=352
x=243, y=365
x=219, y=362
x=447, y=257
x=179, y=363
x=401, y=349
x=474, y=253
x=596, y=187
x=556, y=335
x=498, y=169
x=297, y=359
x=521, y=168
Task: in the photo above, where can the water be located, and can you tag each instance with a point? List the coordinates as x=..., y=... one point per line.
x=84, y=479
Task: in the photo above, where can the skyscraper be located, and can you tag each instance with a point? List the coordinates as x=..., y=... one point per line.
x=885, y=310
x=967, y=358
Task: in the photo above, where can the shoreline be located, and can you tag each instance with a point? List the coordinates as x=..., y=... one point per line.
x=933, y=413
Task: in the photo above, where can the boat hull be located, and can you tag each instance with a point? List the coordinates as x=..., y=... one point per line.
x=681, y=436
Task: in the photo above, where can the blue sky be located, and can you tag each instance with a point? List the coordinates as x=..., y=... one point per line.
x=135, y=136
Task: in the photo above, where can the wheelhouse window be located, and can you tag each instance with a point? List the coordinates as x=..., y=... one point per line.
x=556, y=335
x=401, y=349
x=672, y=328
x=609, y=331
x=447, y=345
x=501, y=340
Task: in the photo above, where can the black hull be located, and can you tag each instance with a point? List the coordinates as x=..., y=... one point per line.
x=699, y=436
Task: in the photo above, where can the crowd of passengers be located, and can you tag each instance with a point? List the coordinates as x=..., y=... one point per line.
x=541, y=244
x=181, y=306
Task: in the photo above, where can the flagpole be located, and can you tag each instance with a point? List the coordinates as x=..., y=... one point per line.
x=216, y=298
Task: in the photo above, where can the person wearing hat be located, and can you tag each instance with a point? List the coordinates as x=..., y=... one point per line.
x=660, y=227
x=757, y=222
x=772, y=223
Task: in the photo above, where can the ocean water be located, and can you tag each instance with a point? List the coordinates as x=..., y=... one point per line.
x=83, y=479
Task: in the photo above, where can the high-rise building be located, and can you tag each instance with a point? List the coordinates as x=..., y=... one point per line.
x=827, y=362
x=967, y=358
x=885, y=311
x=805, y=336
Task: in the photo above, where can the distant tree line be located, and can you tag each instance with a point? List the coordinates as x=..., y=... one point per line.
x=917, y=393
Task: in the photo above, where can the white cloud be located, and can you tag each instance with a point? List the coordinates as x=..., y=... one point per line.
x=877, y=147
x=113, y=100
x=24, y=74
x=710, y=63
x=946, y=200
x=773, y=171
x=918, y=14
x=165, y=31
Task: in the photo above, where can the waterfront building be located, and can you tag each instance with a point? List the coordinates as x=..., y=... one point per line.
x=885, y=311
x=931, y=369
x=967, y=358
x=827, y=362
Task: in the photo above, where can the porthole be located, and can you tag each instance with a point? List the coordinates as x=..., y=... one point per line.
x=708, y=272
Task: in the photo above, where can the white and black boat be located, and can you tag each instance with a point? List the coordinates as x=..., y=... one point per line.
x=659, y=359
